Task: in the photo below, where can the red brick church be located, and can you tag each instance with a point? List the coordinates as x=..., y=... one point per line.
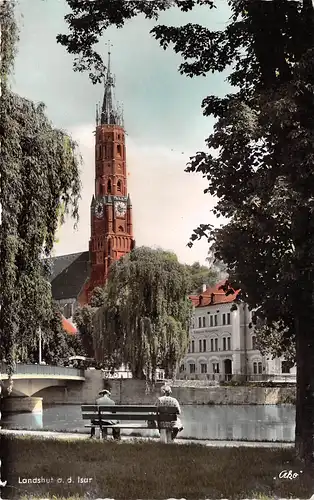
x=75, y=276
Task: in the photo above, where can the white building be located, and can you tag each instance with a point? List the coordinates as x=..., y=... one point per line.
x=223, y=342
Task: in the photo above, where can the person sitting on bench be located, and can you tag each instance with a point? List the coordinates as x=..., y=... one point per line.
x=167, y=400
x=105, y=400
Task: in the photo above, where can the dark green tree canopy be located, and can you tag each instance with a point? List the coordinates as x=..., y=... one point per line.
x=88, y=21
x=39, y=183
x=259, y=162
x=201, y=275
x=144, y=322
x=83, y=318
x=57, y=344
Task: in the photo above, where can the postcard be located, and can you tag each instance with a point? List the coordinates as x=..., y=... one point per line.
x=156, y=262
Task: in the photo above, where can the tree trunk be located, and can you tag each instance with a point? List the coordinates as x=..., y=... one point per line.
x=138, y=373
x=304, y=430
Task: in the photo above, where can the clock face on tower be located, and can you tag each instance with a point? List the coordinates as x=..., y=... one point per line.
x=99, y=210
x=120, y=208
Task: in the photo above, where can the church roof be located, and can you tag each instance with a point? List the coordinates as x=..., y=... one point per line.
x=69, y=273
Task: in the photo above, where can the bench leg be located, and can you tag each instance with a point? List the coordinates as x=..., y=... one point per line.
x=164, y=435
x=104, y=433
x=168, y=436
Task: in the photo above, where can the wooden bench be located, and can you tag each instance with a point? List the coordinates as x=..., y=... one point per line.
x=130, y=417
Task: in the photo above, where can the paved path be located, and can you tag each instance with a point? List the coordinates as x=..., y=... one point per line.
x=228, y=444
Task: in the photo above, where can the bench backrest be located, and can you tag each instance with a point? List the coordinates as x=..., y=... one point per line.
x=131, y=412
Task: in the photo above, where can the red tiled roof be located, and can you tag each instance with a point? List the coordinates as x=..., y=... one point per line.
x=68, y=326
x=213, y=296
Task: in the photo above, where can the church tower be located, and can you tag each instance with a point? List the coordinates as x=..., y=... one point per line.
x=111, y=209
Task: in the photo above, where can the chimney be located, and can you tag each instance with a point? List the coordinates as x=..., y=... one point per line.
x=204, y=287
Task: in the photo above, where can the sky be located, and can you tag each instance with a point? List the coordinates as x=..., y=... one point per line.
x=162, y=112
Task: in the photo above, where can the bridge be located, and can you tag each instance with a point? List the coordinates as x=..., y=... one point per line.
x=28, y=379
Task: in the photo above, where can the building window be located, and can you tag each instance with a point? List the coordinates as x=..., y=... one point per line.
x=215, y=367
x=200, y=345
x=182, y=368
x=109, y=186
x=204, y=321
x=213, y=320
x=200, y=322
x=189, y=348
x=211, y=344
x=260, y=367
x=119, y=149
x=229, y=343
x=255, y=368
x=204, y=345
x=68, y=311
x=203, y=368
x=253, y=342
x=192, y=367
x=224, y=345
x=193, y=347
x=285, y=367
x=105, y=151
x=119, y=186
x=216, y=344
x=226, y=319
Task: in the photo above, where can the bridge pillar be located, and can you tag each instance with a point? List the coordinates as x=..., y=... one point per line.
x=16, y=404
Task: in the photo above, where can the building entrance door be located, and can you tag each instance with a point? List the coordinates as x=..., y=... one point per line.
x=228, y=369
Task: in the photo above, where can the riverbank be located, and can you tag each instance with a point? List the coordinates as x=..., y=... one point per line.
x=46, y=434
x=39, y=467
x=133, y=391
x=78, y=434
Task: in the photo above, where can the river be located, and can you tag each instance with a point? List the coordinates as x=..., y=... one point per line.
x=252, y=423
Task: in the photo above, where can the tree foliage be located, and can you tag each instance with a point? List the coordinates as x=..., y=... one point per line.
x=144, y=322
x=39, y=175
x=201, y=275
x=260, y=159
x=83, y=318
x=88, y=21
x=57, y=344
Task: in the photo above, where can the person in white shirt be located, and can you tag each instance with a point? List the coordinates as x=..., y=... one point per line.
x=167, y=400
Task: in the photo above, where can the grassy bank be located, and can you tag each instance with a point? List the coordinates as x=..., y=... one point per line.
x=156, y=436
x=126, y=471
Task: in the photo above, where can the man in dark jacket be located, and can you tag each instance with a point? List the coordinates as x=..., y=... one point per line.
x=105, y=400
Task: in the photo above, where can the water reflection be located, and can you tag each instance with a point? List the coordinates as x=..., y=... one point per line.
x=24, y=420
x=269, y=423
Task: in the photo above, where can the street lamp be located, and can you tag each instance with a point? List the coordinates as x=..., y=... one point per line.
x=40, y=345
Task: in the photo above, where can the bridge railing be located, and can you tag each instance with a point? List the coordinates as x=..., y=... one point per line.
x=45, y=370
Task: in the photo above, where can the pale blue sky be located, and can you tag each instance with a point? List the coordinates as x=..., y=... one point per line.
x=163, y=119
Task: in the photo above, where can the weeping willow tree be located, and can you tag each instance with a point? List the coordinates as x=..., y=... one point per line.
x=39, y=186
x=144, y=322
